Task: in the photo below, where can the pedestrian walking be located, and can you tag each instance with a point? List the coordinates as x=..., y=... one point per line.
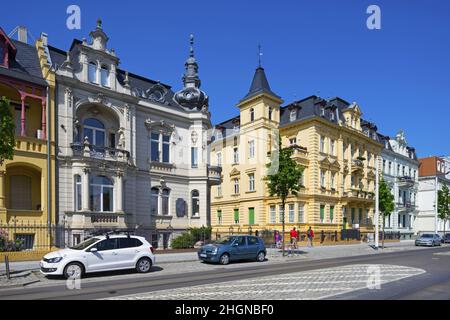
x=294, y=237
x=310, y=235
x=277, y=239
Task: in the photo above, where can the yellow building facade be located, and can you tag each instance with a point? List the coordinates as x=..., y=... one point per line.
x=27, y=182
x=337, y=149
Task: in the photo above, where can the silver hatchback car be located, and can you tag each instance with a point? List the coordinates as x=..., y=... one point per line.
x=429, y=240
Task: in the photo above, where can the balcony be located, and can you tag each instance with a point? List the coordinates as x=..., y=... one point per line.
x=406, y=181
x=96, y=219
x=300, y=154
x=26, y=144
x=406, y=206
x=357, y=165
x=359, y=194
x=87, y=150
x=214, y=175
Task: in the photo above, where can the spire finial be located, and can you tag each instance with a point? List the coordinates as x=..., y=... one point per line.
x=191, y=40
x=259, y=55
x=99, y=23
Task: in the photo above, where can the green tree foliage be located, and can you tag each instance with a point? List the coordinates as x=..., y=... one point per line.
x=387, y=205
x=188, y=239
x=285, y=181
x=7, y=140
x=444, y=204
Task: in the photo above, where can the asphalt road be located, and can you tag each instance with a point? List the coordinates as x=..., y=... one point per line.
x=433, y=284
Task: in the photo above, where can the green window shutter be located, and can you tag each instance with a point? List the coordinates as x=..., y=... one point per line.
x=353, y=216
x=331, y=213
x=322, y=213
x=251, y=216
x=236, y=215
x=219, y=216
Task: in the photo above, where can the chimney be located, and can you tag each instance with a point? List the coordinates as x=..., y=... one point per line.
x=22, y=34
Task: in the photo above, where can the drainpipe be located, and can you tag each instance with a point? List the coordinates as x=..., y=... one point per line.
x=49, y=165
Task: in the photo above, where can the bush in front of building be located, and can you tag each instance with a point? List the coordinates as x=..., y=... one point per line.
x=184, y=241
x=8, y=245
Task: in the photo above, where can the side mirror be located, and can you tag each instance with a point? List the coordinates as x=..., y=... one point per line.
x=93, y=250
x=235, y=244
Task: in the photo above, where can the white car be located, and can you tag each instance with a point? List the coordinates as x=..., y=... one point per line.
x=97, y=254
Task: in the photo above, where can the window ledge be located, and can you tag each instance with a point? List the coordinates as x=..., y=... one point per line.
x=168, y=217
x=195, y=217
x=247, y=192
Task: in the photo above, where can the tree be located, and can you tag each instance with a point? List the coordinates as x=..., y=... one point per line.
x=386, y=200
x=285, y=181
x=7, y=141
x=444, y=204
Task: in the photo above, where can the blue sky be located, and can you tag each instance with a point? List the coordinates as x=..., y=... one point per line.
x=400, y=75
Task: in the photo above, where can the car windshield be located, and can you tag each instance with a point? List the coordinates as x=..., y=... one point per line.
x=427, y=236
x=83, y=245
x=226, y=240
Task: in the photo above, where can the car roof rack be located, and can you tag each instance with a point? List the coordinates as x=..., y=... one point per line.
x=108, y=233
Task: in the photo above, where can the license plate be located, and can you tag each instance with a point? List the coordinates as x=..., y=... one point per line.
x=203, y=255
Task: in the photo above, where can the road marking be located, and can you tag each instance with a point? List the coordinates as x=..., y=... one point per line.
x=306, y=285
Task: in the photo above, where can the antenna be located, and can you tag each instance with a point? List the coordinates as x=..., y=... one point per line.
x=259, y=55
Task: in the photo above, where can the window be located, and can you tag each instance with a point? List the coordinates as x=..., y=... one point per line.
x=331, y=214
x=281, y=216
x=104, y=75
x=165, y=202
x=154, y=201
x=251, y=216
x=236, y=186
x=252, y=115
x=252, y=241
x=360, y=215
x=160, y=147
x=270, y=113
x=219, y=216
x=92, y=72
x=251, y=146
x=112, y=140
x=77, y=193
x=125, y=243
x=301, y=213
x=94, y=130
x=195, y=203
x=322, y=144
x=108, y=244
x=322, y=178
x=332, y=144
x=194, y=160
x=236, y=216
x=293, y=115
x=353, y=216
x=101, y=194
x=20, y=187
x=236, y=155
x=333, y=178
x=251, y=180
x=384, y=166
x=219, y=190
x=293, y=141
x=291, y=213
x=322, y=213
x=219, y=159
x=273, y=214
x=26, y=239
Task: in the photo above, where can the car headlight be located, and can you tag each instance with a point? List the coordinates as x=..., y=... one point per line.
x=215, y=250
x=54, y=260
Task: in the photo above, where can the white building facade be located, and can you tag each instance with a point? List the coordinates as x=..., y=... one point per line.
x=400, y=169
x=132, y=154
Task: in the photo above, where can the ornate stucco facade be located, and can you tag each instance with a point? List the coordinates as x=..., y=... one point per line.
x=336, y=147
x=131, y=152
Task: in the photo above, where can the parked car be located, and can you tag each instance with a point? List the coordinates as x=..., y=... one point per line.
x=428, y=239
x=446, y=238
x=234, y=248
x=98, y=254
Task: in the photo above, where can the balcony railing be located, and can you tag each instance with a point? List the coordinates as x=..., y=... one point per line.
x=98, y=152
x=357, y=165
x=215, y=174
x=406, y=205
x=95, y=219
x=406, y=180
x=27, y=144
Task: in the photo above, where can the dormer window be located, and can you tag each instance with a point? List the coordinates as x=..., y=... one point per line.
x=252, y=115
x=293, y=115
x=322, y=110
x=2, y=54
x=332, y=116
x=104, y=74
x=92, y=72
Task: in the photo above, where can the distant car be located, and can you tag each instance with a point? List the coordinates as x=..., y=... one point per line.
x=446, y=238
x=98, y=254
x=234, y=248
x=428, y=239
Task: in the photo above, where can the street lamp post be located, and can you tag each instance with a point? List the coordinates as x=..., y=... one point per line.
x=377, y=203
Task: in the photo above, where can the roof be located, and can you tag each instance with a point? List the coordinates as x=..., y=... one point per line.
x=25, y=65
x=259, y=85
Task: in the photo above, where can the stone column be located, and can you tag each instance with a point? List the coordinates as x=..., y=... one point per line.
x=119, y=192
x=85, y=190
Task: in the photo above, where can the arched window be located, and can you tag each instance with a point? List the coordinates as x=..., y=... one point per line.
x=78, y=193
x=101, y=194
x=92, y=72
x=104, y=74
x=195, y=203
x=154, y=201
x=252, y=115
x=165, y=202
x=94, y=130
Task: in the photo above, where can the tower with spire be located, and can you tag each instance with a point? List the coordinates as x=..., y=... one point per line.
x=191, y=96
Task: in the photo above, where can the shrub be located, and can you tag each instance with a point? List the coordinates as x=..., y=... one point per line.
x=201, y=234
x=184, y=241
x=8, y=245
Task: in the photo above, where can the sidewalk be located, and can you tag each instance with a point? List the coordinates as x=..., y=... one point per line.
x=314, y=253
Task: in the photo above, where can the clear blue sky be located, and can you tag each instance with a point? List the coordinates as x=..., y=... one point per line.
x=400, y=75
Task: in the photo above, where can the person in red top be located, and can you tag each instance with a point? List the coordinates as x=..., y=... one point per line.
x=294, y=237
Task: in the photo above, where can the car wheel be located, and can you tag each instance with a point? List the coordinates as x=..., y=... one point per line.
x=261, y=257
x=144, y=265
x=225, y=259
x=74, y=270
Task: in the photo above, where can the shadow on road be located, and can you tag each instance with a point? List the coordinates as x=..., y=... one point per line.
x=109, y=274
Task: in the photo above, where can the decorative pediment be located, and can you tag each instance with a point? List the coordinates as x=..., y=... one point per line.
x=235, y=172
x=157, y=93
